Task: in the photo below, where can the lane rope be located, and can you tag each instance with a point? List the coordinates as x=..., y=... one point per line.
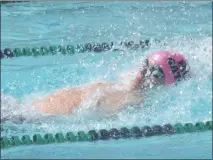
x=11, y=1
x=72, y=49
x=103, y=134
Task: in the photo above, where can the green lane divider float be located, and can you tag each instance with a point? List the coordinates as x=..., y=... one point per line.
x=103, y=134
x=72, y=49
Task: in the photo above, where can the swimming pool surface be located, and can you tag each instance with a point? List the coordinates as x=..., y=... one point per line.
x=182, y=26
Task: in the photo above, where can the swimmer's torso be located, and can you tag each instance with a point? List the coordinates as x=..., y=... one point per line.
x=65, y=100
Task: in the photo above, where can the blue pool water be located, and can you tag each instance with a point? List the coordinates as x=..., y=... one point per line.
x=182, y=26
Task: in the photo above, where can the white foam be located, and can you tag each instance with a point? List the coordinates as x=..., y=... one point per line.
x=174, y=104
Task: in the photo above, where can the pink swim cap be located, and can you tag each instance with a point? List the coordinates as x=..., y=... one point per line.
x=173, y=65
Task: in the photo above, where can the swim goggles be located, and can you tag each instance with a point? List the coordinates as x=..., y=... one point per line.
x=154, y=71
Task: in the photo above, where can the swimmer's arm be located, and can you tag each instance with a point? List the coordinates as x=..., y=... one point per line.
x=135, y=83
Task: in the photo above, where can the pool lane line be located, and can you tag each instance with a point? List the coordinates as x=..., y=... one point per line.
x=104, y=134
x=11, y=1
x=72, y=49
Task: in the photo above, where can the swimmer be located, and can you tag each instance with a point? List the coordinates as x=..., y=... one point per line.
x=161, y=68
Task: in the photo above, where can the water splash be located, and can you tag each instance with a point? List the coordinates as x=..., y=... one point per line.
x=189, y=101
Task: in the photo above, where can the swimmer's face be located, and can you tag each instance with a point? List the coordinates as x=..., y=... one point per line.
x=152, y=76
